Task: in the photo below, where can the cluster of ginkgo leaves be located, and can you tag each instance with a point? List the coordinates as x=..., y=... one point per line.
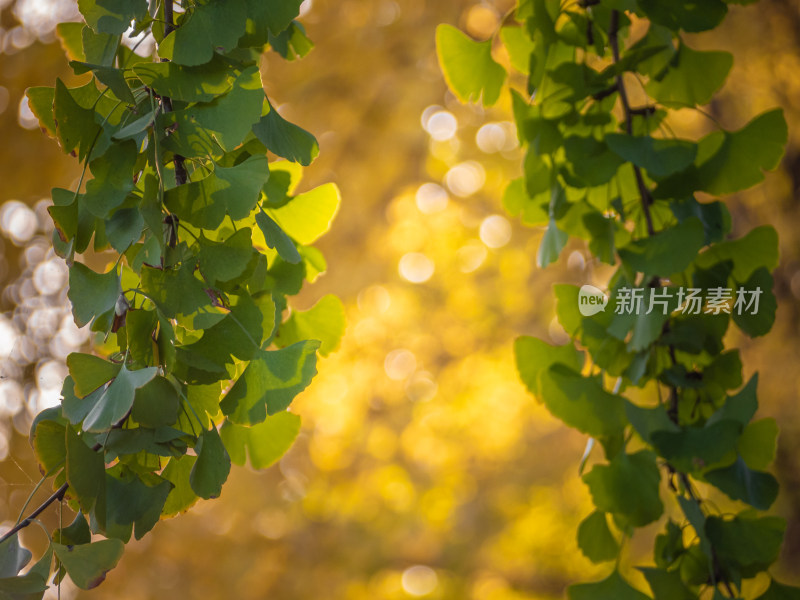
x=191, y=240
x=656, y=388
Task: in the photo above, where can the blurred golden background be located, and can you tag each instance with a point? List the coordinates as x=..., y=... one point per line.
x=423, y=469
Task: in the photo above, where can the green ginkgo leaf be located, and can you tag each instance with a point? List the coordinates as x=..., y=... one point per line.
x=75, y=125
x=552, y=244
x=217, y=24
x=270, y=382
x=189, y=84
x=87, y=564
x=728, y=162
x=613, y=587
x=658, y=157
x=276, y=238
x=286, y=139
x=115, y=402
x=325, y=321
x=232, y=190
x=264, y=443
x=628, y=486
x=689, y=16
x=204, y=129
x=91, y=293
x=213, y=464
x=111, y=16
x=226, y=260
x=691, y=78
x=86, y=475
x=469, y=69
x=265, y=17
x=89, y=372
x=307, y=216
x=595, y=538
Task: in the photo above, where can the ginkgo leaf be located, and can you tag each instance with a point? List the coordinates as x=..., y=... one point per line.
x=232, y=190
x=276, y=238
x=468, y=66
x=117, y=399
x=202, y=129
x=217, y=24
x=270, y=382
x=189, y=84
x=112, y=16
x=213, y=464
x=325, y=321
x=264, y=443
x=692, y=78
x=91, y=293
x=87, y=564
x=309, y=215
x=286, y=139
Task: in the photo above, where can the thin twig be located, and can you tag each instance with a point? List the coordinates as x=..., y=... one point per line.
x=57, y=495
x=647, y=198
x=169, y=26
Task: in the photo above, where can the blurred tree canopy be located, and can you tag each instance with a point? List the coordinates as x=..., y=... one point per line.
x=423, y=467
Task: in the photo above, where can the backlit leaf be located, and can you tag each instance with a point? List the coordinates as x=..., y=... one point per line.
x=89, y=372
x=659, y=157
x=264, y=443
x=728, y=162
x=270, y=382
x=309, y=215
x=325, y=321
x=468, y=66
x=581, y=402
x=276, y=238
x=91, y=293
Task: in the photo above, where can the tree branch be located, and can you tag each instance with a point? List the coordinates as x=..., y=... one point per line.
x=57, y=495
x=647, y=198
x=181, y=176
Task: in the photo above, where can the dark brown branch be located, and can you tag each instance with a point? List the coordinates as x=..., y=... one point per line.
x=605, y=93
x=169, y=25
x=647, y=198
x=58, y=494
x=179, y=162
x=644, y=111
